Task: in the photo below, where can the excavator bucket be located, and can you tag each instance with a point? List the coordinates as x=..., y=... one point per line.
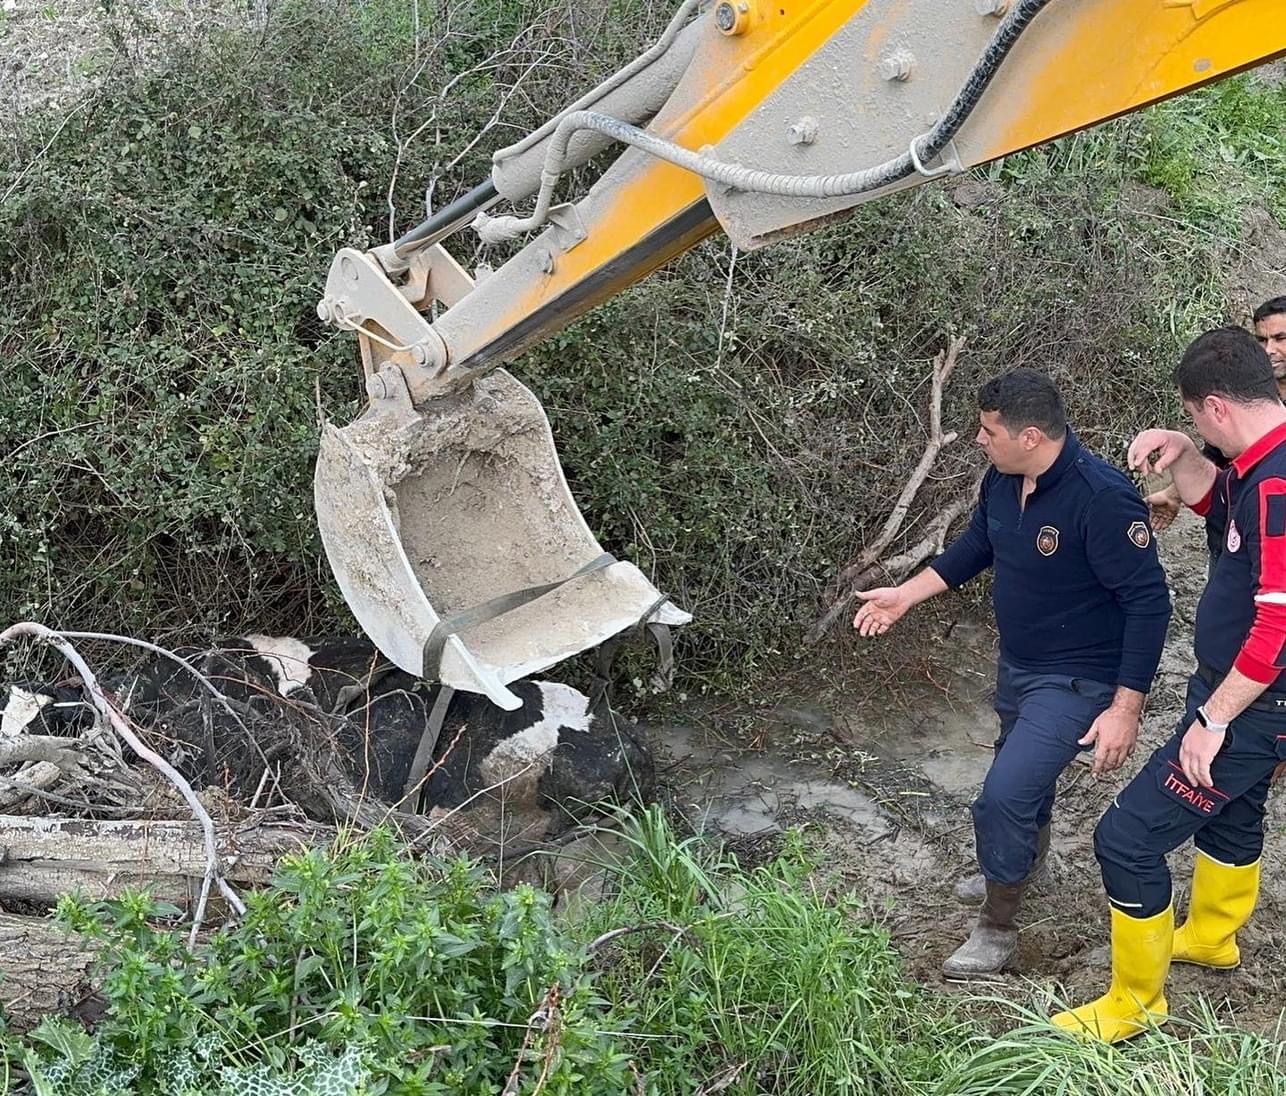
x=457, y=543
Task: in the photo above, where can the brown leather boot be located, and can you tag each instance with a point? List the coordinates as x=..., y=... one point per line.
x=971, y=890
x=993, y=944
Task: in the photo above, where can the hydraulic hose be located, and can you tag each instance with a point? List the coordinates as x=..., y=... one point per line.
x=751, y=180
x=447, y=219
x=614, y=81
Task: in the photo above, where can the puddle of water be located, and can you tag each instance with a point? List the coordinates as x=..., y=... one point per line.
x=842, y=801
x=747, y=819
x=951, y=747
x=745, y=793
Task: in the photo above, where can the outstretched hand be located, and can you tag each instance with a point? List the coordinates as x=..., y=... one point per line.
x=881, y=609
x=1164, y=507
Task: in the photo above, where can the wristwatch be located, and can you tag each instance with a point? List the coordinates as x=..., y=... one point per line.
x=1209, y=724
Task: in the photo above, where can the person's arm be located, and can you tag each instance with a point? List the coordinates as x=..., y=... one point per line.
x=1122, y=554
x=1262, y=517
x=1161, y=450
x=967, y=556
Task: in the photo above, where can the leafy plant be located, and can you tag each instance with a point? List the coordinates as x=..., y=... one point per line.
x=357, y=966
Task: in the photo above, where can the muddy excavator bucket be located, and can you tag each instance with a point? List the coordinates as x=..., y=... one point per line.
x=457, y=543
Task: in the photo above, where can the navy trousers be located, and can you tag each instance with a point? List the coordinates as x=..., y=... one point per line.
x=1041, y=718
x=1160, y=808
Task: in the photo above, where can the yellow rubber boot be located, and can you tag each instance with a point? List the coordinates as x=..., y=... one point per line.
x=1223, y=898
x=1135, y=1000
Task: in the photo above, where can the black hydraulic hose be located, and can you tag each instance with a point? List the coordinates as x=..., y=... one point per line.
x=447, y=219
x=1011, y=29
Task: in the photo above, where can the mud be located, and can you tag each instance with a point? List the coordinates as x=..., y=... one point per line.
x=883, y=784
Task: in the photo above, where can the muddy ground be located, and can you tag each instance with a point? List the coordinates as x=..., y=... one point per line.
x=882, y=773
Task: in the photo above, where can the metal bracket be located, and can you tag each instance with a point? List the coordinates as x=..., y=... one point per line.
x=359, y=297
x=569, y=229
x=948, y=159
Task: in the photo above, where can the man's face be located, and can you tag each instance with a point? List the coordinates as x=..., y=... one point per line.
x=1004, y=450
x=1271, y=333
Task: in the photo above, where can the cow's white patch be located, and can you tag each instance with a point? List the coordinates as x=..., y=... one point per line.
x=564, y=708
x=21, y=709
x=288, y=658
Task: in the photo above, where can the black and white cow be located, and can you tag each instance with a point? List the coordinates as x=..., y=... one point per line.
x=527, y=773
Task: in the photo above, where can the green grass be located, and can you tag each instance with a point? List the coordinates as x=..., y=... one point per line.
x=362, y=973
x=760, y=978
x=1205, y=1054
x=1217, y=151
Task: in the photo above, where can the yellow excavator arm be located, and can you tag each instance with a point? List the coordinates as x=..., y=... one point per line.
x=443, y=509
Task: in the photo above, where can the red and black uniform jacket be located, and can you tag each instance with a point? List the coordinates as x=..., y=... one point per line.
x=1241, y=620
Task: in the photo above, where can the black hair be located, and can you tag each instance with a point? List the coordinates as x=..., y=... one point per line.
x=1274, y=307
x=1227, y=362
x=1023, y=398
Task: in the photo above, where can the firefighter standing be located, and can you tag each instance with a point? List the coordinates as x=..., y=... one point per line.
x=1081, y=606
x=1211, y=780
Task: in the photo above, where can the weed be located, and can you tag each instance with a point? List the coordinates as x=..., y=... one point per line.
x=1203, y=1054
x=759, y=978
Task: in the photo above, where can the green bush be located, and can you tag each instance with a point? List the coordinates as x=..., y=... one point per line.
x=416, y=978
x=162, y=250
x=360, y=972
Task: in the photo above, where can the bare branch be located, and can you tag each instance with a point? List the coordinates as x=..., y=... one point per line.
x=867, y=567
x=616, y=934
x=121, y=726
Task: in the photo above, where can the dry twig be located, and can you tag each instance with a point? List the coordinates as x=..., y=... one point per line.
x=546, y=1020
x=615, y=934
x=869, y=564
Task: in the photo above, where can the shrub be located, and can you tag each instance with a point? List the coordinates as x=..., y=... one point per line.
x=415, y=978
x=735, y=424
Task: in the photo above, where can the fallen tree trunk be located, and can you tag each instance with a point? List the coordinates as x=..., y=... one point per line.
x=46, y=970
x=47, y=857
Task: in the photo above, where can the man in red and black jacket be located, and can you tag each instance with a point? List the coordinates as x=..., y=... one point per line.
x=1211, y=780
x=1269, y=321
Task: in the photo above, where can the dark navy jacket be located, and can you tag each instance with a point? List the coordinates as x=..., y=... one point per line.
x=1078, y=587
x=1241, y=619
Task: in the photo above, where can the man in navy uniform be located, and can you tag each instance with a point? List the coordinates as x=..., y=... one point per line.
x=1082, y=608
x=1211, y=780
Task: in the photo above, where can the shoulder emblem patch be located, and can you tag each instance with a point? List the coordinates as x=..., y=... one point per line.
x=1139, y=533
x=1047, y=540
x=1234, y=536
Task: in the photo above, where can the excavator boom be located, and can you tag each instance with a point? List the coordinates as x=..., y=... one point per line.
x=444, y=511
